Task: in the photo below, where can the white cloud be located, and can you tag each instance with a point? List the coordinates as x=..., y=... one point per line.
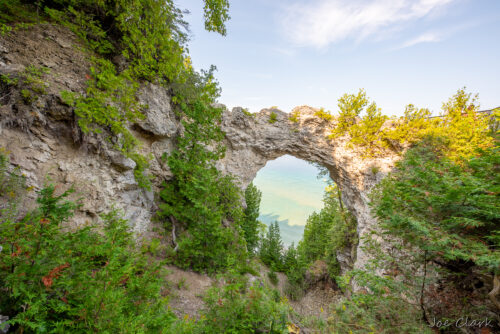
x=429, y=37
x=324, y=22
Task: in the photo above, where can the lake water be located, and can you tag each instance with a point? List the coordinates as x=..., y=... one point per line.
x=291, y=191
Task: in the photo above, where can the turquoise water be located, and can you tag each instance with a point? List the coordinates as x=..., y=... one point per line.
x=291, y=191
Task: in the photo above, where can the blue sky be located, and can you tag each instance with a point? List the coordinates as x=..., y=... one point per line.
x=295, y=52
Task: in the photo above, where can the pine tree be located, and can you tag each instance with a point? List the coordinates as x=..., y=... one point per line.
x=250, y=224
x=271, y=251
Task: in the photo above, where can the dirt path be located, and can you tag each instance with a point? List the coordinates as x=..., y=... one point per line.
x=188, y=289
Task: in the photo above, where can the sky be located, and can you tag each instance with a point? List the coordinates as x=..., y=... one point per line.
x=288, y=53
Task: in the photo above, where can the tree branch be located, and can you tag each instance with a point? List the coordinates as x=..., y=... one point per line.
x=176, y=245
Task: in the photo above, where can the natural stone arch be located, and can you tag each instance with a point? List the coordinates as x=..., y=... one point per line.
x=253, y=139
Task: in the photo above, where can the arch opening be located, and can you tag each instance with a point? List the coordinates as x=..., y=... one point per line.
x=292, y=189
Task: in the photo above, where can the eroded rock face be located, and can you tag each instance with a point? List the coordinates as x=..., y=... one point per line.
x=44, y=139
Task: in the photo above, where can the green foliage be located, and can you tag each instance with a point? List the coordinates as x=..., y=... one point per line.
x=367, y=133
x=32, y=77
x=294, y=266
x=248, y=113
x=199, y=198
x=150, y=37
x=4, y=29
x=110, y=102
x=271, y=248
x=7, y=80
x=294, y=116
x=250, y=223
x=376, y=313
x=385, y=304
x=446, y=209
x=323, y=114
x=236, y=307
x=350, y=107
x=55, y=280
x=410, y=127
x=364, y=132
x=273, y=278
x=85, y=26
x=326, y=232
x=30, y=83
x=465, y=130
x=272, y=117
x=216, y=13
x=12, y=189
x=15, y=14
x=431, y=209
x=27, y=96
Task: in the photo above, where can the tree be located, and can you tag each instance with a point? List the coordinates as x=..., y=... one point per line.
x=367, y=132
x=350, y=107
x=198, y=200
x=328, y=231
x=250, y=224
x=271, y=250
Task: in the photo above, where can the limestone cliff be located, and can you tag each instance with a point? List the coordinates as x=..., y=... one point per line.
x=44, y=139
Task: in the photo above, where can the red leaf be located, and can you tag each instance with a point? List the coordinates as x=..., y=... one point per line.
x=47, y=281
x=17, y=252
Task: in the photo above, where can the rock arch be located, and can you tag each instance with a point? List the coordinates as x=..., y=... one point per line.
x=254, y=139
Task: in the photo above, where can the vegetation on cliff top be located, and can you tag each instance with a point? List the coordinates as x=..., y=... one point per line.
x=461, y=125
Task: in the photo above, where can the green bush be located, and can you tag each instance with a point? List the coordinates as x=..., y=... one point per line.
x=55, y=280
x=273, y=278
x=322, y=114
x=236, y=307
x=272, y=117
x=29, y=83
x=14, y=13
x=294, y=116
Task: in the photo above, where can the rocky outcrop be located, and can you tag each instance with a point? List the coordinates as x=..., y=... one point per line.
x=45, y=141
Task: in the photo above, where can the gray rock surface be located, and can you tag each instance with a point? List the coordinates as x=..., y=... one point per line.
x=160, y=119
x=4, y=328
